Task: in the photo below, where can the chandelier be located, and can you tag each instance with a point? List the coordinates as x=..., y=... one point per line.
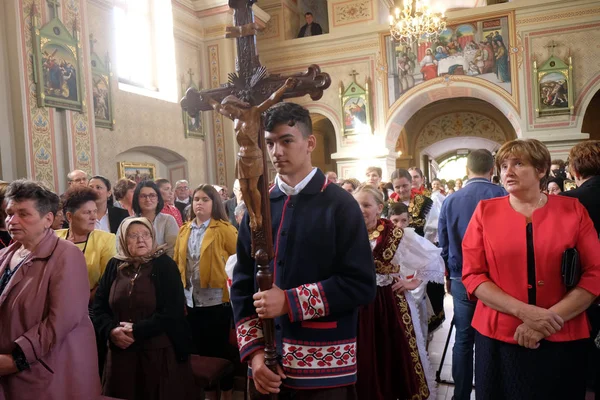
x=415, y=20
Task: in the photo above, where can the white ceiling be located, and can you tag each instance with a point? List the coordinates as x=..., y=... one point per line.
x=446, y=146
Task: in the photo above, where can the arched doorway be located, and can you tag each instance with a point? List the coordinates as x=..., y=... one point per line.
x=591, y=118
x=324, y=131
x=449, y=127
x=401, y=113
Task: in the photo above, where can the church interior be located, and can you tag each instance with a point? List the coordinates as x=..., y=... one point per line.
x=152, y=51
x=101, y=86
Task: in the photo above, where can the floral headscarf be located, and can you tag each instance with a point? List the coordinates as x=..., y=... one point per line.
x=123, y=253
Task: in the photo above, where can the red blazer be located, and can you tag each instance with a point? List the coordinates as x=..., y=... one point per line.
x=495, y=249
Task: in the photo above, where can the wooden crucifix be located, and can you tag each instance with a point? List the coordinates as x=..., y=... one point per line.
x=249, y=92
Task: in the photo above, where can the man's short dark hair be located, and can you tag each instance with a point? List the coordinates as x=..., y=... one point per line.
x=162, y=181
x=480, y=161
x=291, y=114
x=397, y=209
x=308, y=13
x=45, y=200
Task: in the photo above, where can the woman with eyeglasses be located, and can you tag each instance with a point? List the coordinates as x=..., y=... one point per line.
x=202, y=249
x=148, y=203
x=139, y=309
x=109, y=217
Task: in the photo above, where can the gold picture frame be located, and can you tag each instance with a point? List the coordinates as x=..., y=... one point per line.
x=356, y=107
x=137, y=172
x=553, y=87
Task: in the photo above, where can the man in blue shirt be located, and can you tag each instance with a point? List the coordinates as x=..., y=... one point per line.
x=455, y=215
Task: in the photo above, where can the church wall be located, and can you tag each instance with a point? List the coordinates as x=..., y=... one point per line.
x=146, y=121
x=8, y=162
x=46, y=141
x=162, y=169
x=354, y=43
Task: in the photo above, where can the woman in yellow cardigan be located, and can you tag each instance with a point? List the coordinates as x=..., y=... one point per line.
x=202, y=248
x=79, y=208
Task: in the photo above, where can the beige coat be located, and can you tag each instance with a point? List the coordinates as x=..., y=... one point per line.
x=44, y=310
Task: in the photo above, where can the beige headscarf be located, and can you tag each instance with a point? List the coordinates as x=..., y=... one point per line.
x=123, y=253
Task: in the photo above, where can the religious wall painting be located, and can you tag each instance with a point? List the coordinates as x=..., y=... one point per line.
x=356, y=109
x=192, y=124
x=553, y=87
x=102, y=92
x=478, y=48
x=57, y=68
x=137, y=172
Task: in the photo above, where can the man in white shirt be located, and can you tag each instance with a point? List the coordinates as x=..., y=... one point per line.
x=182, y=196
x=323, y=271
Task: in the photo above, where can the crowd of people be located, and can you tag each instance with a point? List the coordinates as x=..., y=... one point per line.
x=108, y=289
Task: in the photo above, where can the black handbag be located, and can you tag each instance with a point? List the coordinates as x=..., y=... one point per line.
x=571, y=268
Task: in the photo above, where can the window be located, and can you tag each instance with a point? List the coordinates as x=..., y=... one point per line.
x=145, y=59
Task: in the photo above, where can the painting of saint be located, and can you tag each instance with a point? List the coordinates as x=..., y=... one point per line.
x=100, y=92
x=355, y=113
x=554, y=91
x=59, y=67
x=195, y=123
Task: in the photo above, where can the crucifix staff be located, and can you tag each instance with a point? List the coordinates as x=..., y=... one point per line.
x=249, y=92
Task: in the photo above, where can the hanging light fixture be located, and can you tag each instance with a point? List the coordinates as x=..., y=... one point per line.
x=416, y=19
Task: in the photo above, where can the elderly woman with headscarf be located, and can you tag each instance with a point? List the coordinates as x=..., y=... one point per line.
x=139, y=308
x=47, y=346
x=556, y=185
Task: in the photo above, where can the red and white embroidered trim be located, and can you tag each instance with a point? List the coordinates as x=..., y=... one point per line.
x=311, y=301
x=248, y=331
x=309, y=357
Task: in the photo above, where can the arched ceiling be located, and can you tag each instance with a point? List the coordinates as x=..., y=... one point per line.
x=440, y=150
x=164, y=155
x=453, y=118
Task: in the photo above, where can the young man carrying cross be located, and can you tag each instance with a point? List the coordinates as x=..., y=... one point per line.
x=323, y=271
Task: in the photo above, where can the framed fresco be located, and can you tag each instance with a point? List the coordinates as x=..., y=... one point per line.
x=478, y=48
x=57, y=71
x=102, y=92
x=553, y=87
x=356, y=108
x=137, y=172
x=192, y=124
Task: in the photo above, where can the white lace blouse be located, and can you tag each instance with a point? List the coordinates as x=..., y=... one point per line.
x=418, y=259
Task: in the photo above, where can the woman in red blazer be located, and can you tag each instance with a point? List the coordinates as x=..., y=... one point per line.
x=531, y=330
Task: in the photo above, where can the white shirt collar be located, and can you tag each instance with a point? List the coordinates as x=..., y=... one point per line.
x=186, y=201
x=103, y=223
x=292, y=191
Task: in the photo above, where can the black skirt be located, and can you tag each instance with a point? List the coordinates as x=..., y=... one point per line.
x=554, y=371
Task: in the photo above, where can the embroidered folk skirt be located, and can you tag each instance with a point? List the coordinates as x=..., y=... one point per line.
x=389, y=366
x=554, y=371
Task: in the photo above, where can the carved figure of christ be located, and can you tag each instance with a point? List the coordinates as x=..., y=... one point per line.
x=247, y=126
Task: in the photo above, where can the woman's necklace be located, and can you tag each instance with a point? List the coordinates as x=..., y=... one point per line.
x=132, y=280
x=376, y=232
